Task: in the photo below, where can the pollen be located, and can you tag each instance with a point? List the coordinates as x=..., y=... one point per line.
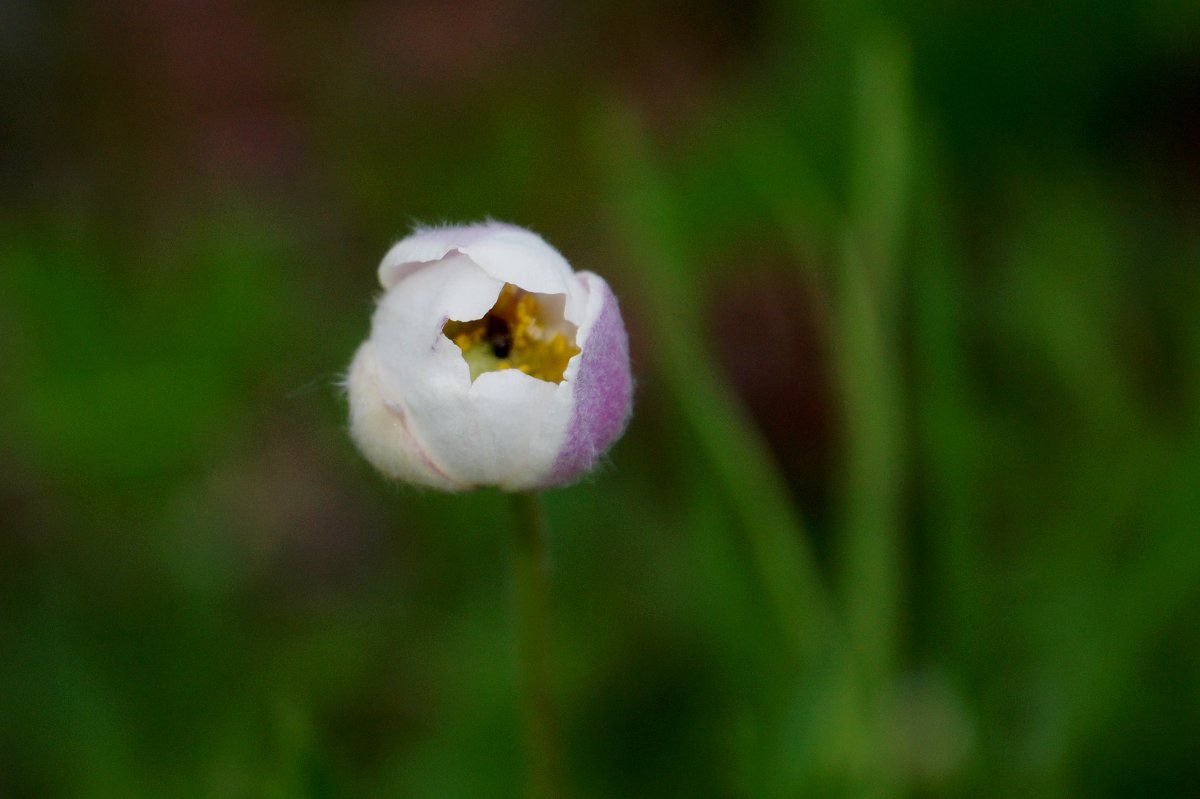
x=514, y=334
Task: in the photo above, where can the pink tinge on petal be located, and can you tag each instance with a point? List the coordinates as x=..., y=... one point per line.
x=603, y=394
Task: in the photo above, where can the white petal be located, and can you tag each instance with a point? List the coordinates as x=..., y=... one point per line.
x=407, y=326
x=425, y=246
x=381, y=429
x=506, y=252
x=506, y=431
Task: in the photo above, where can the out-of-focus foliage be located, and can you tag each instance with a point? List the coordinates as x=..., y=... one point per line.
x=911, y=501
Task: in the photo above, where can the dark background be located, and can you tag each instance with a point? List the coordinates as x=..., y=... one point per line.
x=909, y=505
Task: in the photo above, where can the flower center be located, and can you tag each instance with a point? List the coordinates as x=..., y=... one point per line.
x=518, y=333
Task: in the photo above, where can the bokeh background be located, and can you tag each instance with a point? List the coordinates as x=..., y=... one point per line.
x=910, y=505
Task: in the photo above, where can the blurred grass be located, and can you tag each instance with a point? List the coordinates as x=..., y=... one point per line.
x=739, y=459
x=964, y=563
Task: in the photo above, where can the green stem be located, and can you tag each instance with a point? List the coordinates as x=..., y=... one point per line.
x=531, y=573
x=868, y=353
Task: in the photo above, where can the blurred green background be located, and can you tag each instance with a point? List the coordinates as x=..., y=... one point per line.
x=910, y=505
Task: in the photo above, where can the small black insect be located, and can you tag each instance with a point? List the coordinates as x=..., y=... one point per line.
x=499, y=336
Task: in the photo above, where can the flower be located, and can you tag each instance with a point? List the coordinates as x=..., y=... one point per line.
x=490, y=363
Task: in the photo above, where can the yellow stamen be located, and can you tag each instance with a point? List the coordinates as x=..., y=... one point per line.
x=512, y=336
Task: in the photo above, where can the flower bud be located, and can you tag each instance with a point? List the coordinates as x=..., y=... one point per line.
x=490, y=363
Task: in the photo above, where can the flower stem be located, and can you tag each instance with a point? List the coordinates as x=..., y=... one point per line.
x=531, y=572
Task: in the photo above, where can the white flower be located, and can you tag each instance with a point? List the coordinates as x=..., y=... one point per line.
x=490, y=363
